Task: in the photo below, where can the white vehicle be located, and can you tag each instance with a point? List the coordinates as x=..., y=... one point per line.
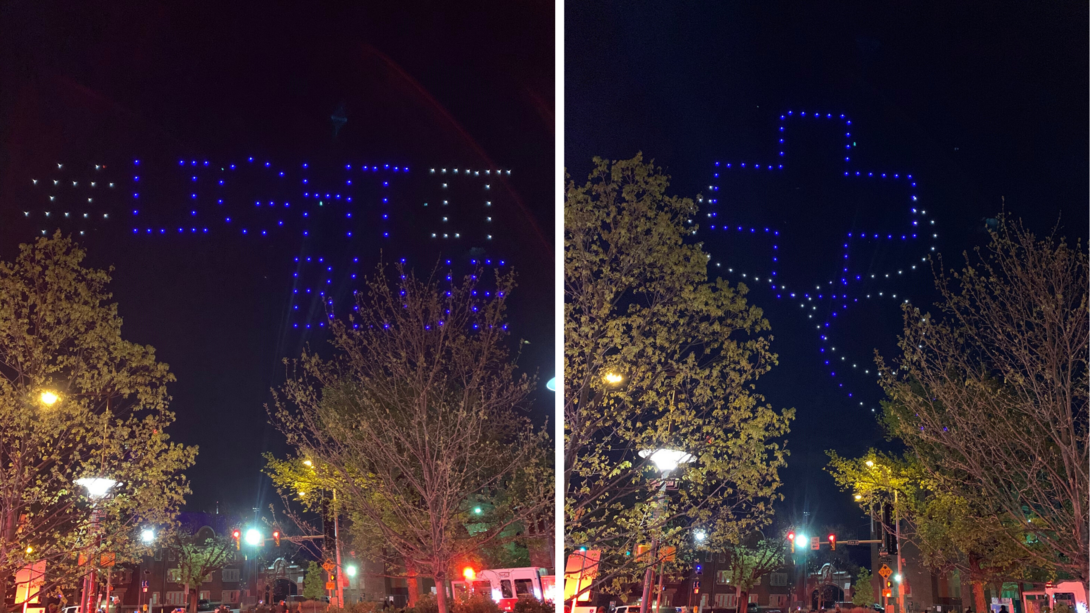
x=505, y=585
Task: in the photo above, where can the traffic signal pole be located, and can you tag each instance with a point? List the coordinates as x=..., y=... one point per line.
x=900, y=572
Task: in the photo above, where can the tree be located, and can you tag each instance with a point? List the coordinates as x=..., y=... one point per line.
x=198, y=559
x=77, y=400
x=314, y=584
x=992, y=397
x=656, y=356
x=863, y=589
x=751, y=560
x=417, y=416
x=950, y=532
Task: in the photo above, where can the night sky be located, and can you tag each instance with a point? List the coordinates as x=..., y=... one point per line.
x=421, y=86
x=976, y=103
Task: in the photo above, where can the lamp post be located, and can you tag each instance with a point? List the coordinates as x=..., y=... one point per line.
x=666, y=460
x=896, y=537
x=147, y=537
x=97, y=488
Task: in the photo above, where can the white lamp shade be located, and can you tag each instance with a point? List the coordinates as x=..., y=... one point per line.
x=666, y=460
x=96, y=487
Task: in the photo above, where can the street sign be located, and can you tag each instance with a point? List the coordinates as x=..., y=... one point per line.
x=669, y=554
x=815, y=543
x=328, y=565
x=849, y=542
x=885, y=571
x=329, y=585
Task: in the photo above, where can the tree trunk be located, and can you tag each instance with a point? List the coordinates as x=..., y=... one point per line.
x=411, y=582
x=978, y=597
x=193, y=594
x=441, y=592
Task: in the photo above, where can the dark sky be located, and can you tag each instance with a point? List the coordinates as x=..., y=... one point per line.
x=977, y=102
x=427, y=84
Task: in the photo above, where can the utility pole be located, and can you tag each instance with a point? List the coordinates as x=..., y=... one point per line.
x=900, y=571
x=337, y=549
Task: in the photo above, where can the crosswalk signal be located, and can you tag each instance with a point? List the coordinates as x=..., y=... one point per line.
x=236, y=534
x=696, y=587
x=791, y=539
x=832, y=542
x=276, y=537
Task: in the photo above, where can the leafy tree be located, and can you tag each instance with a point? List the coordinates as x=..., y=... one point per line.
x=416, y=416
x=751, y=560
x=198, y=559
x=863, y=589
x=77, y=401
x=656, y=356
x=991, y=397
x=950, y=532
x=314, y=583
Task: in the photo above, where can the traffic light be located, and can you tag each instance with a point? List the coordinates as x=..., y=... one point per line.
x=699, y=569
x=237, y=535
x=276, y=537
x=832, y=542
x=791, y=539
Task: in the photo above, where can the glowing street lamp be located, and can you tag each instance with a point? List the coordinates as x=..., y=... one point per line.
x=869, y=463
x=612, y=378
x=254, y=537
x=700, y=535
x=666, y=460
x=350, y=571
x=97, y=487
x=147, y=536
x=49, y=398
x=801, y=540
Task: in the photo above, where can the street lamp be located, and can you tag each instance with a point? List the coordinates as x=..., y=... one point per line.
x=869, y=463
x=254, y=537
x=147, y=536
x=666, y=460
x=49, y=398
x=612, y=378
x=97, y=487
x=551, y=384
x=700, y=535
x=350, y=571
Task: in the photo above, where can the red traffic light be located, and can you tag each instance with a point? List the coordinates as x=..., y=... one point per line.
x=791, y=540
x=237, y=535
x=832, y=542
x=276, y=537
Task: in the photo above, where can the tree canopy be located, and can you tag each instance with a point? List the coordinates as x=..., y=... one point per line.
x=990, y=393
x=657, y=356
x=417, y=418
x=77, y=400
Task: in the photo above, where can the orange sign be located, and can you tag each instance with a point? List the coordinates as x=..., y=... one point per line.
x=107, y=560
x=329, y=585
x=580, y=572
x=669, y=554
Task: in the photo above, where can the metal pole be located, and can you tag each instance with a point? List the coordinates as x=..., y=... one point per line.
x=337, y=547
x=658, y=594
x=649, y=576
x=900, y=572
